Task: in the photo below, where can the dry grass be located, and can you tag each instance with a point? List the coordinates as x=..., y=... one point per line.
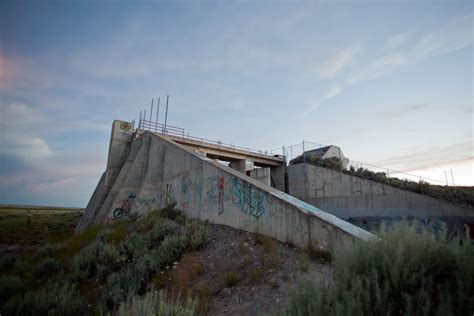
x=231, y=278
x=40, y=225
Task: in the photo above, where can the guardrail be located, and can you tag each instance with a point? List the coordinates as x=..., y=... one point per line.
x=179, y=132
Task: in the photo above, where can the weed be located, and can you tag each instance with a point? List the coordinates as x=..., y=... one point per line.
x=10, y=286
x=268, y=244
x=156, y=303
x=319, y=255
x=172, y=213
x=231, y=279
x=84, y=264
x=50, y=249
x=197, y=233
x=304, y=262
x=8, y=260
x=118, y=231
x=47, y=268
x=53, y=299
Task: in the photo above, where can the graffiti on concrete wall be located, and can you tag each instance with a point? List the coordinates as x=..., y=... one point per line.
x=169, y=194
x=249, y=200
x=189, y=187
x=125, y=128
x=124, y=210
x=148, y=201
x=215, y=192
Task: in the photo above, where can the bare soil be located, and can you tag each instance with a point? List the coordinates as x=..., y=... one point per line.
x=240, y=273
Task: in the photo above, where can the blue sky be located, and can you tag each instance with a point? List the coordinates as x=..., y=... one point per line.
x=390, y=82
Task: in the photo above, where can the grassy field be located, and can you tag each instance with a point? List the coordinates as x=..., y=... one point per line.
x=56, y=272
x=36, y=224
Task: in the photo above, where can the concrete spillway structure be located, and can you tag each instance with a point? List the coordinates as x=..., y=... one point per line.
x=365, y=202
x=148, y=172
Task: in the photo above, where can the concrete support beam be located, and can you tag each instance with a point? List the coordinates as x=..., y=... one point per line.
x=242, y=165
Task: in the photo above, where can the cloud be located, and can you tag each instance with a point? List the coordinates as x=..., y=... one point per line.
x=451, y=37
x=398, y=40
x=334, y=65
x=402, y=111
x=416, y=159
x=332, y=91
x=378, y=68
x=31, y=150
x=16, y=113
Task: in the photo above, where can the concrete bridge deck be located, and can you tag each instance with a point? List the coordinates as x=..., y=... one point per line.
x=227, y=153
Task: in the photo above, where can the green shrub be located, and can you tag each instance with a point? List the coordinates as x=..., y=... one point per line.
x=49, y=250
x=171, y=212
x=134, y=244
x=119, y=285
x=118, y=231
x=53, y=299
x=172, y=249
x=197, y=233
x=408, y=271
x=84, y=264
x=8, y=260
x=47, y=268
x=10, y=286
x=153, y=303
x=158, y=232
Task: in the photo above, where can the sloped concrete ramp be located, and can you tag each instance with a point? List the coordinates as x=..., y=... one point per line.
x=158, y=171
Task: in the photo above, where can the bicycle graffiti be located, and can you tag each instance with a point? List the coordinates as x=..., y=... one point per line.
x=250, y=201
x=124, y=210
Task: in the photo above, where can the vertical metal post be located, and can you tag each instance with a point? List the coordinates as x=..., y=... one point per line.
x=151, y=111
x=452, y=177
x=166, y=113
x=304, y=155
x=446, y=175
x=340, y=164
x=140, y=120
x=157, y=112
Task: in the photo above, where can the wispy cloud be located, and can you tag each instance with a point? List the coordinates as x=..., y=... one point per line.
x=402, y=111
x=451, y=37
x=332, y=91
x=415, y=158
x=398, y=40
x=335, y=64
x=378, y=68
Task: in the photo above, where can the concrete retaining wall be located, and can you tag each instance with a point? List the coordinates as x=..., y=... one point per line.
x=349, y=196
x=159, y=171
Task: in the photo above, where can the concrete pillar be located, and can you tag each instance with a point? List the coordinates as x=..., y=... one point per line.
x=262, y=175
x=243, y=165
x=119, y=147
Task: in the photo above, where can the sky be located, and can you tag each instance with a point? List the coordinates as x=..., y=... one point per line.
x=390, y=82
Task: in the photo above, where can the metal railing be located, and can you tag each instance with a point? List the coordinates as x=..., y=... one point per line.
x=144, y=124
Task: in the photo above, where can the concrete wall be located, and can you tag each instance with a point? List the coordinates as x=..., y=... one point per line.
x=261, y=174
x=349, y=196
x=158, y=172
x=119, y=150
